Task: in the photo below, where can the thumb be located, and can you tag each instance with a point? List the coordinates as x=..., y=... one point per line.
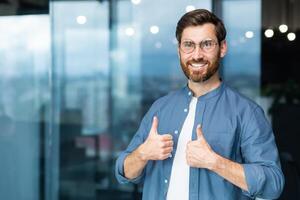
x=199, y=132
x=154, y=125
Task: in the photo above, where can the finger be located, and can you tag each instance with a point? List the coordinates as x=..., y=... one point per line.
x=165, y=144
x=188, y=146
x=154, y=125
x=167, y=137
x=167, y=150
x=168, y=144
x=165, y=156
x=199, y=132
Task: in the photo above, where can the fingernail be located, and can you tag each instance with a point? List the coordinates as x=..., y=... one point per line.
x=199, y=126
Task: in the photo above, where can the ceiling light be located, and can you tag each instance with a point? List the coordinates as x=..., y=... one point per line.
x=136, y=2
x=81, y=19
x=269, y=33
x=129, y=31
x=283, y=28
x=154, y=29
x=291, y=36
x=249, y=34
x=189, y=8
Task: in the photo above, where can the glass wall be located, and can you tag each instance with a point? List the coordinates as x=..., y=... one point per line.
x=25, y=93
x=81, y=142
x=241, y=65
x=76, y=83
x=110, y=62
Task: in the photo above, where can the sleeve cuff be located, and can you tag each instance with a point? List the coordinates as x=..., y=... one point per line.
x=120, y=171
x=254, y=178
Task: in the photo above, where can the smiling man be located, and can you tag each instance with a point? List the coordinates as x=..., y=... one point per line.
x=204, y=141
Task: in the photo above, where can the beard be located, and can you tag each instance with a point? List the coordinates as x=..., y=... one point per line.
x=200, y=76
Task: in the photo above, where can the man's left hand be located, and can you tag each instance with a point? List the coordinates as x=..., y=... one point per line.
x=199, y=153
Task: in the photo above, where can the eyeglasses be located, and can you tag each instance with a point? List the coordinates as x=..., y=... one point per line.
x=207, y=46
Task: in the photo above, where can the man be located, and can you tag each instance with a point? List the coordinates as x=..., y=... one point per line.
x=205, y=141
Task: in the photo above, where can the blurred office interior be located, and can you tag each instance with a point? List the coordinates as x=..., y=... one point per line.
x=76, y=78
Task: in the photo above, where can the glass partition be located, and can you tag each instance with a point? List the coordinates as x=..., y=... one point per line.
x=111, y=60
x=241, y=65
x=25, y=93
x=76, y=83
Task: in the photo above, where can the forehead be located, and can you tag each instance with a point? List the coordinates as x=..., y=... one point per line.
x=199, y=33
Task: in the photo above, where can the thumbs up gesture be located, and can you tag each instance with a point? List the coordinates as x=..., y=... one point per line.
x=156, y=146
x=199, y=153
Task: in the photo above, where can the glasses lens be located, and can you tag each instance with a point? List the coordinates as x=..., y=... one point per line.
x=187, y=46
x=208, y=45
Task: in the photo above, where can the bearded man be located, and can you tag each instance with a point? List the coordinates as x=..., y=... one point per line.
x=205, y=141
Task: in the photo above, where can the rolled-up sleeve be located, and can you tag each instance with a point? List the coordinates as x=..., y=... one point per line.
x=261, y=160
x=120, y=171
x=136, y=141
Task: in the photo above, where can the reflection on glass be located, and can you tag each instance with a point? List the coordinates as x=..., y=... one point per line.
x=241, y=65
x=24, y=64
x=80, y=74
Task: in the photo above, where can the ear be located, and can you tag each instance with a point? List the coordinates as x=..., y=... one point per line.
x=223, y=48
x=178, y=51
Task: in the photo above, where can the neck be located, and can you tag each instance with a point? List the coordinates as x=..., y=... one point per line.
x=201, y=88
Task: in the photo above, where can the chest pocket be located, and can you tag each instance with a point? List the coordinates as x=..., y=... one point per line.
x=223, y=143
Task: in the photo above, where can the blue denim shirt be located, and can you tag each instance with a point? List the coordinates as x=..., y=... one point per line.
x=233, y=125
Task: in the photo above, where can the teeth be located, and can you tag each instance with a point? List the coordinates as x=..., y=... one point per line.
x=198, y=65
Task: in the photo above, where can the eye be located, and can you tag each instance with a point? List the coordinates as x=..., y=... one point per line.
x=207, y=44
x=188, y=44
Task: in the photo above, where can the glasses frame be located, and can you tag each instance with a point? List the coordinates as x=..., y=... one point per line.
x=201, y=46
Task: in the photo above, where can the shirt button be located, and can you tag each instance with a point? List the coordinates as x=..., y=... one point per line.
x=166, y=181
x=190, y=93
x=185, y=110
x=176, y=132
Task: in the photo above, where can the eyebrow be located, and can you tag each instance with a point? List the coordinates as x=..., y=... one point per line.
x=189, y=40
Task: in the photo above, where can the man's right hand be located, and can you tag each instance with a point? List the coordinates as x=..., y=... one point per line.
x=156, y=146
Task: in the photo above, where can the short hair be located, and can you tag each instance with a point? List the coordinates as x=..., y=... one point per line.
x=200, y=17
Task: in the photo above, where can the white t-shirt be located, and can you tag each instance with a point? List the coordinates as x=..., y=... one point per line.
x=180, y=174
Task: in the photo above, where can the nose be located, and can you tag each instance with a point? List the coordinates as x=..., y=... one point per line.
x=198, y=53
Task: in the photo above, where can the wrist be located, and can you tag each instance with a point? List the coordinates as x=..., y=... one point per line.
x=141, y=153
x=216, y=162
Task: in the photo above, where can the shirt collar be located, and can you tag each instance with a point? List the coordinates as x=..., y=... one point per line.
x=215, y=92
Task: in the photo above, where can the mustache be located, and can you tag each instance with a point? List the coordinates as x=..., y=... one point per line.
x=197, y=61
